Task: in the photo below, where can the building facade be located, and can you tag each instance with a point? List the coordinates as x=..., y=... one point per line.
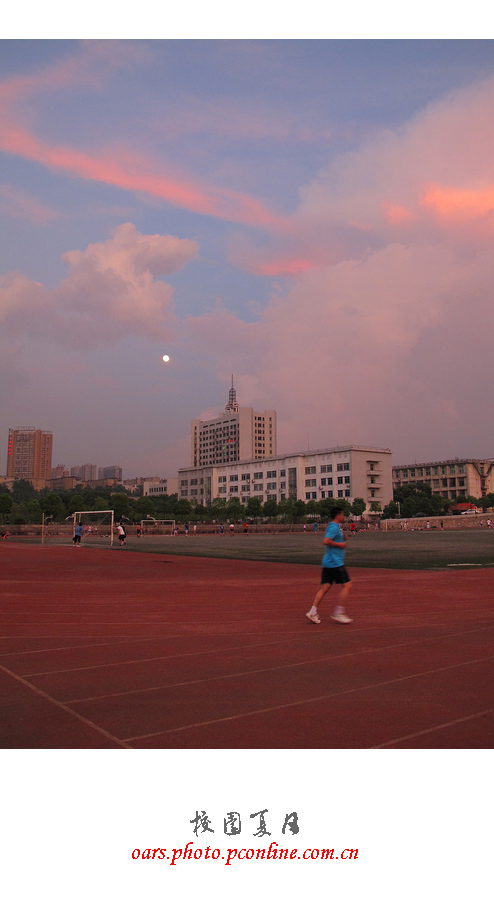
x=341, y=473
x=109, y=473
x=238, y=434
x=161, y=487
x=450, y=478
x=29, y=454
x=85, y=472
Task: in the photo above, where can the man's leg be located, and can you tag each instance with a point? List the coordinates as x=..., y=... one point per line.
x=339, y=614
x=312, y=614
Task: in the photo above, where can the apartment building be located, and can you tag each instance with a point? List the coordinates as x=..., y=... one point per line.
x=450, y=478
x=29, y=454
x=340, y=473
x=239, y=433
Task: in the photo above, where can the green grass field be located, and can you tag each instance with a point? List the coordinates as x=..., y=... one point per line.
x=466, y=548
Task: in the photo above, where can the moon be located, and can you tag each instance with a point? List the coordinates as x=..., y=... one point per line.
x=166, y=358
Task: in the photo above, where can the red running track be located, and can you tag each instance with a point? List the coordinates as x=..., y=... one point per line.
x=112, y=649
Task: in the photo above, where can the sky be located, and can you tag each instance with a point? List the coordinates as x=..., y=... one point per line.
x=314, y=217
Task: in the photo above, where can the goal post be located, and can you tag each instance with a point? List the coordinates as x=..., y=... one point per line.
x=158, y=525
x=96, y=524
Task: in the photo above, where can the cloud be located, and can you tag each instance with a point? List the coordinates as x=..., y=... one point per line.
x=22, y=206
x=117, y=165
x=111, y=291
x=385, y=335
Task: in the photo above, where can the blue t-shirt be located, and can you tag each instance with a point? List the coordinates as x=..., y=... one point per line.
x=334, y=556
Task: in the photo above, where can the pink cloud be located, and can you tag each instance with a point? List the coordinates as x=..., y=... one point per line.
x=22, y=206
x=137, y=174
x=111, y=291
x=458, y=204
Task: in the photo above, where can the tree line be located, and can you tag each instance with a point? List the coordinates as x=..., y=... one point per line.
x=417, y=498
x=23, y=505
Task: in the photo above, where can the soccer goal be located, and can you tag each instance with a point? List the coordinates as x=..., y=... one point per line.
x=95, y=525
x=157, y=525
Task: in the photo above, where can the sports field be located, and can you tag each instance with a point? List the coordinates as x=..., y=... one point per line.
x=111, y=648
x=368, y=549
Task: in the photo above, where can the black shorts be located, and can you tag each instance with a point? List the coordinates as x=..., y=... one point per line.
x=336, y=575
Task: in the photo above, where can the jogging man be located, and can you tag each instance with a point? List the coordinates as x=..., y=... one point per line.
x=333, y=570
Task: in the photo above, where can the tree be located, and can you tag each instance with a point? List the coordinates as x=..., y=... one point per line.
x=53, y=505
x=217, y=510
x=312, y=507
x=22, y=491
x=299, y=510
x=270, y=509
x=77, y=503
x=358, y=506
x=375, y=507
x=234, y=508
x=286, y=509
x=100, y=504
x=144, y=507
x=183, y=510
x=253, y=508
x=6, y=503
x=391, y=510
x=33, y=511
x=120, y=503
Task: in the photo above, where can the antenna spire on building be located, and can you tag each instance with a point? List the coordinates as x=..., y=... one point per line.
x=232, y=405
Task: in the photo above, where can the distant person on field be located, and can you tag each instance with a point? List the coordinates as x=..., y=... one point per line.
x=232, y=528
x=316, y=527
x=333, y=570
x=222, y=530
x=121, y=535
x=77, y=534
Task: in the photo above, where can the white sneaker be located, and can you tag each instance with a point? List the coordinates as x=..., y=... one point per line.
x=312, y=618
x=341, y=617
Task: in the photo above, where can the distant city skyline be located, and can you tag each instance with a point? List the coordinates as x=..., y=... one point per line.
x=314, y=217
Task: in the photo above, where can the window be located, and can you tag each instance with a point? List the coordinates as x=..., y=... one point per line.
x=343, y=466
x=234, y=488
x=347, y=479
x=184, y=483
x=246, y=477
x=340, y=480
x=258, y=487
x=271, y=474
x=283, y=473
x=310, y=482
x=326, y=468
x=258, y=475
x=271, y=486
x=222, y=479
x=233, y=477
x=323, y=482
x=193, y=481
x=310, y=469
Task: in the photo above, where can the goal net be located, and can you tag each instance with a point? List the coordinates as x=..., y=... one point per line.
x=157, y=526
x=97, y=525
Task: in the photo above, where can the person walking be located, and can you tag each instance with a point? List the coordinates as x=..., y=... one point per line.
x=77, y=535
x=333, y=570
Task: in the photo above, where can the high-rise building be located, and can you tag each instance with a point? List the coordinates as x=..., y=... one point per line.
x=29, y=454
x=110, y=472
x=86, y=472
x=238, y=433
